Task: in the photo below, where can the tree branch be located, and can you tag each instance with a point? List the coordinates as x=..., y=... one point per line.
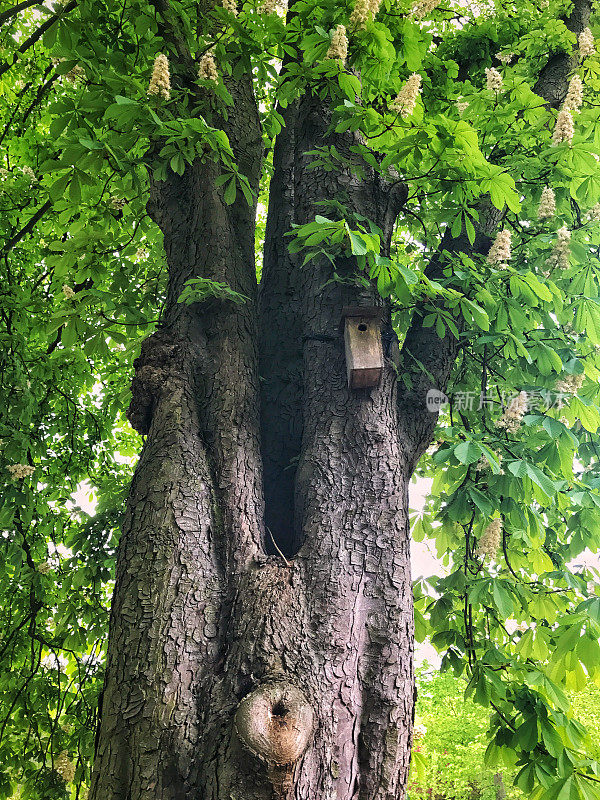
x=14, y=111
x=552, y=83
x=280, y=345
x=12, y=12
x=28, y=227
x=36, y=36
x=169, y=32
x=427, y=359
x=42, y=90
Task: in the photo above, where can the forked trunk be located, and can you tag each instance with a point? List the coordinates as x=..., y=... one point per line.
x=250, y=660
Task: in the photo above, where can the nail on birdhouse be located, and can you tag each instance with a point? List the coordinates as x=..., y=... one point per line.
x=362, y=340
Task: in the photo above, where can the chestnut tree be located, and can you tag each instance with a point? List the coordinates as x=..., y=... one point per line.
x=199, y=197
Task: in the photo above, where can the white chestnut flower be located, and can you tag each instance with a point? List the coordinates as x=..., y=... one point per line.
x=423, y=8
x=338, y=48
x=574, y=98
x=20, y=471
x=559, y=258
x=406, y=100
x=564, y=130
x=483, y=465
x=505, y=58
x=65, y=767
x=207, y=68
x=29, y=173
x=547, y=206
x=513, y=414
x=490, y=540
x=500, y=251
x=359, y=15
x=75, y=74
x=493, y=79
x=160, y=82
x=587, y=46
x=570, y=384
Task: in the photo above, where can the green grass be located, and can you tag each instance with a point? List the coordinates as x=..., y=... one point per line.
x=449, y=757
x=448, y=760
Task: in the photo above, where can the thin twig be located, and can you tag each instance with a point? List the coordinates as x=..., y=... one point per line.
x=287, y=563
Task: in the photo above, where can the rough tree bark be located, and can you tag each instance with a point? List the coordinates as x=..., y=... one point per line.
x=234, y=671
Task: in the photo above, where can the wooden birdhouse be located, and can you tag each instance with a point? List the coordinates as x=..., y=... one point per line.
x=364, y=351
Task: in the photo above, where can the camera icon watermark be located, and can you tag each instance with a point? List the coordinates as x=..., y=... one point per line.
x=435, y=400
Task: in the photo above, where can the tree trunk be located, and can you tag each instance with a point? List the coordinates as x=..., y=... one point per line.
x=252, y=660
x=499, y=786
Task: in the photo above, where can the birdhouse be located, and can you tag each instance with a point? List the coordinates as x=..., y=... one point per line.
x=362, y=340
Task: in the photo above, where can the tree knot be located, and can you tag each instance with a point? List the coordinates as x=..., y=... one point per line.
x=275, y=722
x=154, y=369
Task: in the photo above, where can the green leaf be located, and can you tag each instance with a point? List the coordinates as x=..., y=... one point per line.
x=481, y=501
x=357, y=244
x=230, y=192
x=468, y=452
x=59, y=186
x=177, y=164
x=588, y=415
x=502, y=599
x=551, y=738
x=527, y=734
x=350, y=85
x=470, y=228
x=521, y=469
x=478, y=314
x=456, y=226
x=75, y=189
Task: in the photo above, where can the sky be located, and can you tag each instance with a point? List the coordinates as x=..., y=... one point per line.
x=424, y=563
